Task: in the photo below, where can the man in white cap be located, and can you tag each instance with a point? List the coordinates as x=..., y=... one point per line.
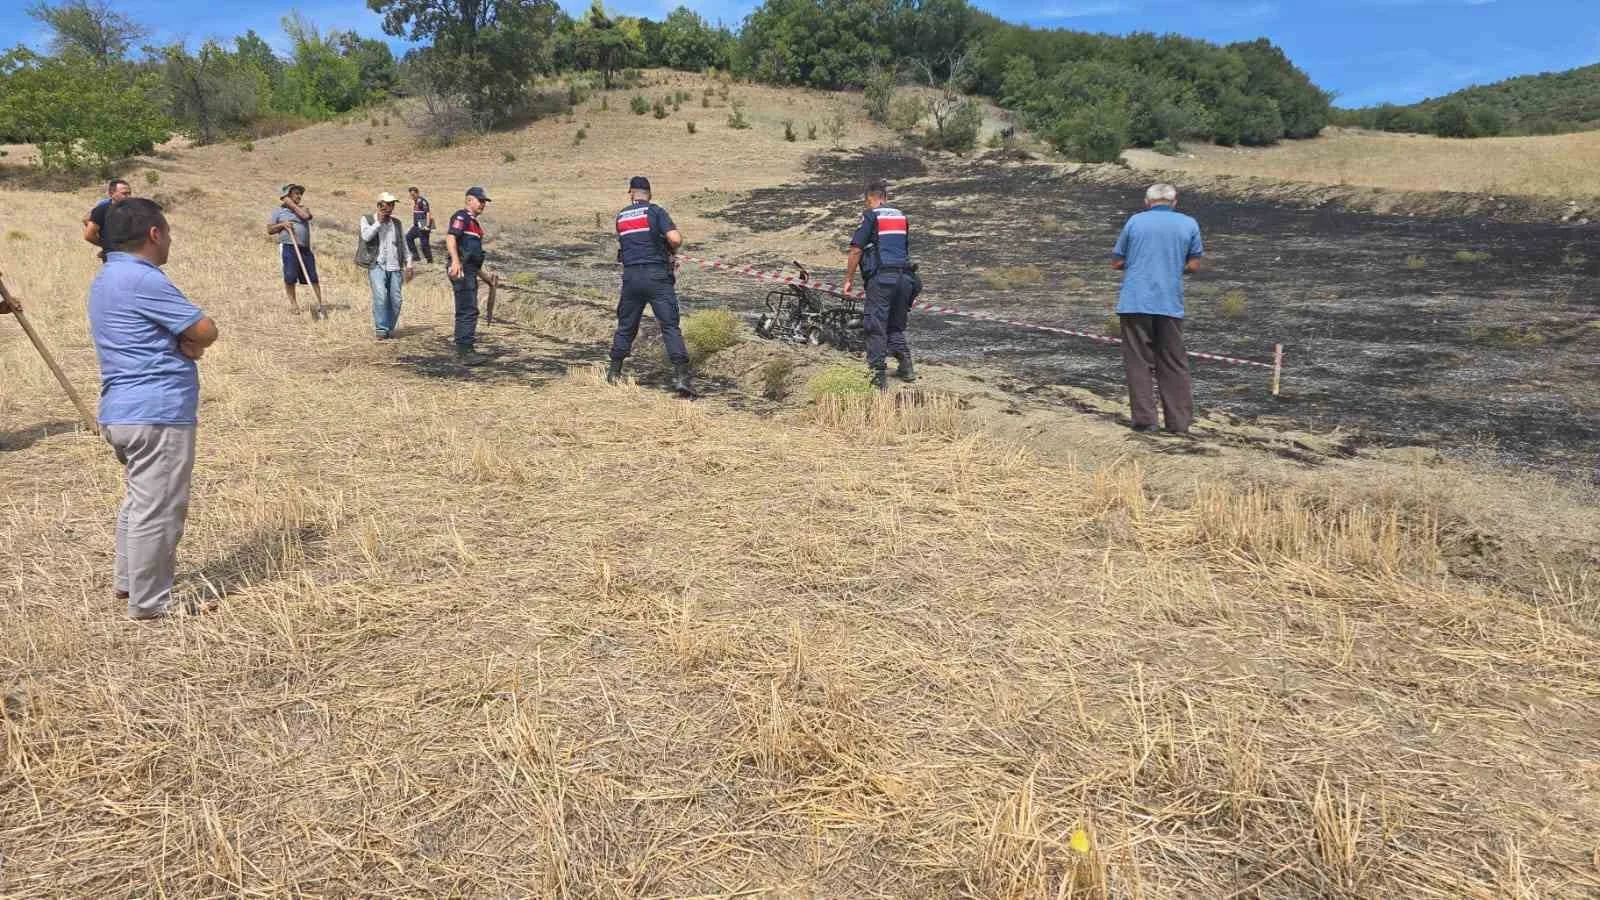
x=383, y=252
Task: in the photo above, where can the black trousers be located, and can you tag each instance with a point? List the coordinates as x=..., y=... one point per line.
x=888, y=305
x=648, y=286
x=466, y=291
x=418, y=232
x=1156, y=363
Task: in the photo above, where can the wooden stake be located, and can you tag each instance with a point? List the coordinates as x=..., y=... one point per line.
x=494, y=283
x=321, y=312
x=1277, y=367
x=49, y=360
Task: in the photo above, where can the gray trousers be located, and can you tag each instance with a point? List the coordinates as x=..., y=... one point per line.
x=159, y=460
x=1157, y=367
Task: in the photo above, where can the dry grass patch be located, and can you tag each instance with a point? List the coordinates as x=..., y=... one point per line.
x=513, y=633
x=1012, y=277
x=1558, y=166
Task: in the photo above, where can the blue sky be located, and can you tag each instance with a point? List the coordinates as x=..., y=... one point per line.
x=1367, y=51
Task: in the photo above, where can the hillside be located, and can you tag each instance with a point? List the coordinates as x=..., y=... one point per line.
x=1560, y=167
x=1547, y=103
x=515, y=632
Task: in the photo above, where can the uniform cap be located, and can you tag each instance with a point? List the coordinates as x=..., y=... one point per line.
x=478, y=192
x=638, y=183
x=387, y=197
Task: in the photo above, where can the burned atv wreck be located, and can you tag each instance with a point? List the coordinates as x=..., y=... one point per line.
x=807, y=314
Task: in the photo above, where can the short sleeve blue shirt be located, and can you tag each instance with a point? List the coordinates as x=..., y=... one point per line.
x=642, y=235
x=135, y=317
x=1156, y=244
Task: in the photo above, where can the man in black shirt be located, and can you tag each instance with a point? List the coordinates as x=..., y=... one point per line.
x=94, y=224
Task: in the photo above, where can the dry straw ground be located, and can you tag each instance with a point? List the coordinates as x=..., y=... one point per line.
x=524, y=634
x=1559, y=166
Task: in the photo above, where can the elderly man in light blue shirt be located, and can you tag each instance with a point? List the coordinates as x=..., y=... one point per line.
x=147, y=336
x=1157, y=248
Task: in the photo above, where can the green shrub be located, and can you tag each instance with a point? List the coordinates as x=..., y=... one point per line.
x=906, y=113
x=1575, y=259
x=1094, y=134
x=959, y=131
x=710, y=331
x=525, y=279
x=737, y=120
x=374, y=121
x=369, y=140
x=15, y=235
x=639, y=105
x=775, y=377
x=507, y=156
x=1166, y=147
x=1415, y=262
x=836, y=128
x=842, y=380
x=152, y=178
x=788, y=131
x=1233, y=305
x=705, y=102
x=1113, y=325
x=690, y=123
x=1472, y=256
x=580, y=136
x=605, y=104
x=879, y=96
x=248, y=146
x=811, y=131
x=660, y=110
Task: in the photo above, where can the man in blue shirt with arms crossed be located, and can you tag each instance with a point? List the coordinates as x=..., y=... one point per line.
x=147, y=336
x=1156, y=249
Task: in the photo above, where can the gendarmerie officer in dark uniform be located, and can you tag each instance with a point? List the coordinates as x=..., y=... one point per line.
x=881, y=250
x=464, y=241
x=647, y=242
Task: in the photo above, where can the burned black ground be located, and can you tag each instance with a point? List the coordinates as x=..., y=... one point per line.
x=1467, y=335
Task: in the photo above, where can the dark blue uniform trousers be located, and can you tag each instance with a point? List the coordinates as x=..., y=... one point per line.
x=650, y=285
x=466, y=291
x=889, y=296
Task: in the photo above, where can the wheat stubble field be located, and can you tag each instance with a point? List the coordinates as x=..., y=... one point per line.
x=520, y=634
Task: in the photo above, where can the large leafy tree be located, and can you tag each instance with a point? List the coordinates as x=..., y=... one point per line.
x=89, y=28
x=687, y=42
x=605, y=44
x=482, y=51
x=77, y=116
x=212, y=90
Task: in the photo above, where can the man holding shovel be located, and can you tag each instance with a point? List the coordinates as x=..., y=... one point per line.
x=147, y=336
x=291, y=222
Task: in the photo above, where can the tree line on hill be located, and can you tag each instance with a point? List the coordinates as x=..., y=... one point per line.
x=93, y=99
x=1551, y=103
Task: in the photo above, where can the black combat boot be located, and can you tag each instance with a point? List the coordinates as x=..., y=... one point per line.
x=879, y=379
x=614, y=372
x=681, y=381
x=904, y=371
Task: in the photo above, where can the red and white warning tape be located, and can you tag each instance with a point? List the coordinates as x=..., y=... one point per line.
x=1276, y=365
